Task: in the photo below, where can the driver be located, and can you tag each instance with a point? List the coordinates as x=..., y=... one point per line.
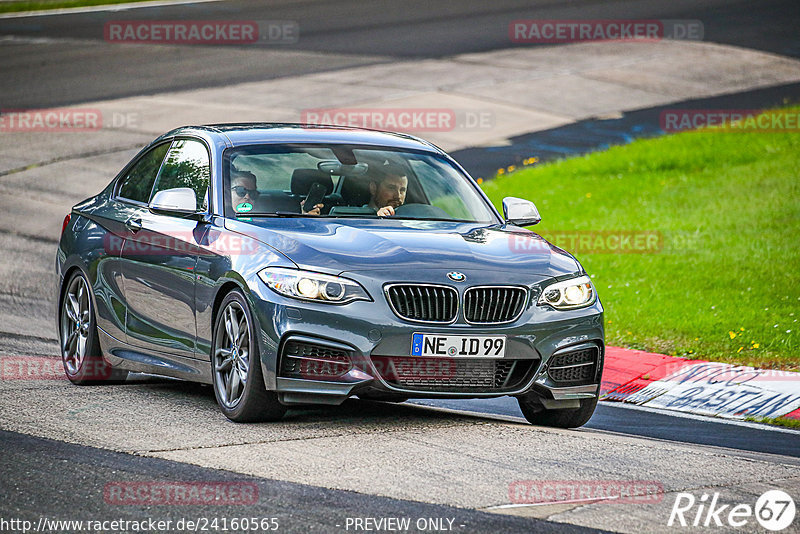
x=388, y=191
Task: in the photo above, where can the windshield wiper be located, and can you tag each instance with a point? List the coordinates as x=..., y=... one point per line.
x=444, y=219
x=349, y=216
x=273, y=214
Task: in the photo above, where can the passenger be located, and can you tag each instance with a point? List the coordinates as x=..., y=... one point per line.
x=388, y=191
x=243, y=189
x=314, y=211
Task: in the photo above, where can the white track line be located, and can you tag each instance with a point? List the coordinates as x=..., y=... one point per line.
x=721, y=420
x=549, y=503
x=671, y=413
x=107, y=7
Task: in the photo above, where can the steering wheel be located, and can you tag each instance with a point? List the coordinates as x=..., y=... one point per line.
x=421, y=210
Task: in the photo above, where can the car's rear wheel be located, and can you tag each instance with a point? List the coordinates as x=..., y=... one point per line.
x=80, y=348
x=535, y=412
x=238, y=381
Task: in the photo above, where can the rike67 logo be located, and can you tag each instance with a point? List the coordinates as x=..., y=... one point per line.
x=774, y=510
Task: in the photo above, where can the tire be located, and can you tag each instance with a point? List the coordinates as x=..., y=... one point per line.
x=236, y=365
x=537, y=414
x=77, y=333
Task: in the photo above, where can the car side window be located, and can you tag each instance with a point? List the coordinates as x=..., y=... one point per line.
x=138, y=183
x=187, y=165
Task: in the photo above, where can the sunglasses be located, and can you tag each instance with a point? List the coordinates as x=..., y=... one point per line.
x=242, y=191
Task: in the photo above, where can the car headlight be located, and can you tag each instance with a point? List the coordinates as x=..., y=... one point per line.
x=569, y=294
x=317, y=287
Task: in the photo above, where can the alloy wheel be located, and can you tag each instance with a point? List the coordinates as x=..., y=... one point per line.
x=232, y=354
x=75, y=323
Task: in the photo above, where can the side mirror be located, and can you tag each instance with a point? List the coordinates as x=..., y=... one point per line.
x=177, y=200
x=520, y=212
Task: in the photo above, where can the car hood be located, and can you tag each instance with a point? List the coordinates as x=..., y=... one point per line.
x=337, y=245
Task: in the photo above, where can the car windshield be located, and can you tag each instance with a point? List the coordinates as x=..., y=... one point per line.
x=348, y=181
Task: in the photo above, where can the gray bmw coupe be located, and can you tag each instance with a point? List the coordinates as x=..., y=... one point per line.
x=288, y=264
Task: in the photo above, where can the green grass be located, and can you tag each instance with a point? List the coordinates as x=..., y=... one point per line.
x=778, y=421
x=726, y=284
x=14, y=6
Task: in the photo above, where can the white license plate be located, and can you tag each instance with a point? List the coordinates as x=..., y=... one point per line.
x=439, y=345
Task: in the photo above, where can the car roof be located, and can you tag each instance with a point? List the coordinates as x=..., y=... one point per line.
x=241, y=134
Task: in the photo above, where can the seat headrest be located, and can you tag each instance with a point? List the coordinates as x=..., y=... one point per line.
x=302, y=179
x=355, y=190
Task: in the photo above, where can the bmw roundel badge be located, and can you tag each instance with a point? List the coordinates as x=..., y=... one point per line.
x=456, y=276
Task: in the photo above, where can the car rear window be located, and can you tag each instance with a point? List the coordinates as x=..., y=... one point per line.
x=138, y=183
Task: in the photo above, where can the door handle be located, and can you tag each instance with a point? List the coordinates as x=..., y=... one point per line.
x=134, y=225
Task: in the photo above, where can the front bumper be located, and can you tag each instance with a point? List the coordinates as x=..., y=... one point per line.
x=370, y=334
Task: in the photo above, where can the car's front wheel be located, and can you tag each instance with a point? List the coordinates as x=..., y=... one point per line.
x=535, y=412
x=80, y=347
x=238, y=381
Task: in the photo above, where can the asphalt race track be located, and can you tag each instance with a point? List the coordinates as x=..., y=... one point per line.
x=662, y=425
x=62, y=478
x=73, y=64
x=458, y=462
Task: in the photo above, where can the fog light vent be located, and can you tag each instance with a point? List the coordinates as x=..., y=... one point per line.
x=574, y=368
x=301, y=359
